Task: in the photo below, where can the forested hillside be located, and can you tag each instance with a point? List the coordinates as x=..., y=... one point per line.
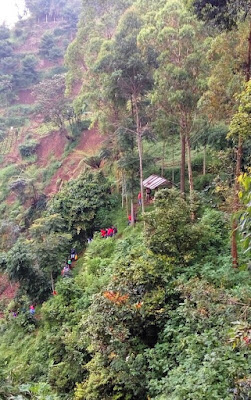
x=113, y=286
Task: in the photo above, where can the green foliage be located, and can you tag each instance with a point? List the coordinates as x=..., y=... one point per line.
x=53, y=105
x=4, y=32
x=28, y=148
x=49, y=73
x=48, y=48
x=240, y=124
x=93, y=161
x=223, y=13
x=21, y=267
x=245, y=215
x=128, y=326
x=50, y=11
x=196, y=360
x=29, y=73
x=79, y=202
x=6, y=92
x=15, y=73
x=203, y=181
x=169, y=230
x=155, y=311
x=50, y=170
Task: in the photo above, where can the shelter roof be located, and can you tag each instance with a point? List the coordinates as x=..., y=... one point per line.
x=154, y=181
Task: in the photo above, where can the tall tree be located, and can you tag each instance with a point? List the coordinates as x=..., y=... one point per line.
x=29, y=72
x=51, y=245
x=177, y=37
x=53, y=104
x=124, y=77
x=98, y=22
x=226, y=15
x=240, y=131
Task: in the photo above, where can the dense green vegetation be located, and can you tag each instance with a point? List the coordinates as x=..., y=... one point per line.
x=161, y=310
x=139, y=318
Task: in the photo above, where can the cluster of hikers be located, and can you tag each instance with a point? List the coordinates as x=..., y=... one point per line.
x=66, y=271
x=105, y=233
x=148, y=196
x=108, y=232
x=31, y=311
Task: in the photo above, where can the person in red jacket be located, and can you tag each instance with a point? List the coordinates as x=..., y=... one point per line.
x=103, y=233
x=139, y=199
x=32, y=310
x=110, y=232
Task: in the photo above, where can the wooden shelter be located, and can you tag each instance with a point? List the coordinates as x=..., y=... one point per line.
x=155, y=181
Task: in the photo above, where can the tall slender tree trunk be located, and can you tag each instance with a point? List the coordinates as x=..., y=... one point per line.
x=132, y=211
x=189, y=164
x=172, y=163
x=182, y=164
x=190, y=175
x=122, y=192
x=163, y=158
x=234, y=248
x=249, y=55
x=140, y=150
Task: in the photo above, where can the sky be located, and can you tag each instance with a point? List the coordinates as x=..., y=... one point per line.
x=9, y=11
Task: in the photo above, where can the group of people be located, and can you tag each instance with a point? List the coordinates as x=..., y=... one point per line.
x=108, y=232
x=148, y=196
x=66, y=271
x=32, y=311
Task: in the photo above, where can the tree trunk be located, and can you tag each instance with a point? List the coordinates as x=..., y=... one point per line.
x=163, y=158
x=204, y=159
x=173, y=163
x=234, y=249
x=189, y=165
x=182, y=164
x=249, y=55
x=132, y=211
x=122, y=191
x=190, y=175
x=140, y=150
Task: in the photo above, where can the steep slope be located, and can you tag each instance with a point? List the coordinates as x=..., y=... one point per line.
x=90, y=141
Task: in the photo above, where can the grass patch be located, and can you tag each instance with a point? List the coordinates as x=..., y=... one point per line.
x=45, y=129
x=50, y=170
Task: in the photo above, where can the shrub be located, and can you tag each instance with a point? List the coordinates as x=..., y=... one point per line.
x=203, y=181
x=28, y=148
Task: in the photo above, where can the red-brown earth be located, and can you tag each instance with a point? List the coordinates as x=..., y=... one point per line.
x=89, y=142
x=8, y=291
